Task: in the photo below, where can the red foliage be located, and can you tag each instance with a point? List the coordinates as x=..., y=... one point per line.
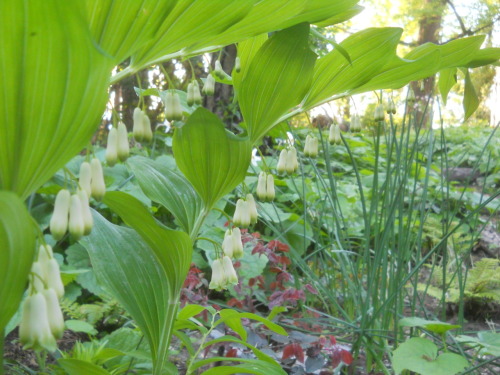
x=293, y=350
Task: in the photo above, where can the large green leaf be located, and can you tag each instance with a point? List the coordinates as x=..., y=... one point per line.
x=277, y=79
x=214, y=160
x=246, y=51
x=420, y=355
x=484, y=56
x=137, y=275
x=369, y=51
x=17, y=248
x=122, y=27
x=53, y=89
x=197, y=26
x=172, y=248
x=169, y=188
x=189, y=22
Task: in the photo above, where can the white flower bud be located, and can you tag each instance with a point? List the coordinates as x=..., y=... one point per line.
x=241, y=214
x=88, y=221
x=270, y=188
x=252, y=208
x=391, y=107
x=123, y=149
x=146, y=124
x=85, y=177
x=237, y=244
x=190, y=94
x=261, y=190
x=34, y=329
x=334, y=135
x=196, y=93
x=54, y=313
x=52, y=277
x=97, y=181
x=112, y=147
x=379, y=113
x=227, y=244
x=38, y=271
x=209, y=86
x=291, y=164
x=237, y=64
x=138, y=128
x=218, y=71
x=281, y=167
x=355, y=124
x=76, y=225
x=59, y=220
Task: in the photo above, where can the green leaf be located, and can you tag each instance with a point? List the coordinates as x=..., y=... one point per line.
x=121, y=28
x=212, y=159
x=369, y=51
x=484, y=56
x=138, y=276
x=246, y=366
x=232, y=319
x=235, y=315
x=246, y=52
x=420, y=355
x=17, y=244
x=190, y=311
x=172, y=248
x=471, y=101
x=80, y=367
x=80, y=326
x=277, y=79
x=169, y=188
x=190, y=22
x=447, y=79
x=54, y=83
x=432, y=325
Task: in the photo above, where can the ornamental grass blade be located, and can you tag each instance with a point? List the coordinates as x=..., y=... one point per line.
x=369, y=50
x=277, y=79
x=122, y=27
x=53, y=90
x=17, y=249
x=134, y=274
x=214, y=160
x=169, y=188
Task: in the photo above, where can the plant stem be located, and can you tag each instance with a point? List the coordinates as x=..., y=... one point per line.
x=2, y=341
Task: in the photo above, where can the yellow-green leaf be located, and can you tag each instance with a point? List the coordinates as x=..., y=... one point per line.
x=214, y=160
x=17, y=248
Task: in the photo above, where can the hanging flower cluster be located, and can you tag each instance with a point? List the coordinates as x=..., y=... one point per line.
x=142, y=126
x=288, y=161
x=42, y=321
x=334, y=135
x=265, y=187
x=311, y=146
x=117, y=147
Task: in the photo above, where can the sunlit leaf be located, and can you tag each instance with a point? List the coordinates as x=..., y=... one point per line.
x=53, y=93
x=212, y=159
x=369, y=51
x=169, y=188
x=17, y=248
x=122, y=27
x=277, y=79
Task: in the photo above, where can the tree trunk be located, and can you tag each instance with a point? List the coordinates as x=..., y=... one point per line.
x=429, y=27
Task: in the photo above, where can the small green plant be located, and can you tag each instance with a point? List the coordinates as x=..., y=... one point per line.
x=420, y=355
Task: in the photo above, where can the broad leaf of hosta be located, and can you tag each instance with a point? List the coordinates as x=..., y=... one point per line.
x=53, y=89
x=122, y=27
x=137, y=274
x=212, y=159
x=277, y=79
x=194, y=26
x=17, y=248
x=169, y=188
x=369, y=51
